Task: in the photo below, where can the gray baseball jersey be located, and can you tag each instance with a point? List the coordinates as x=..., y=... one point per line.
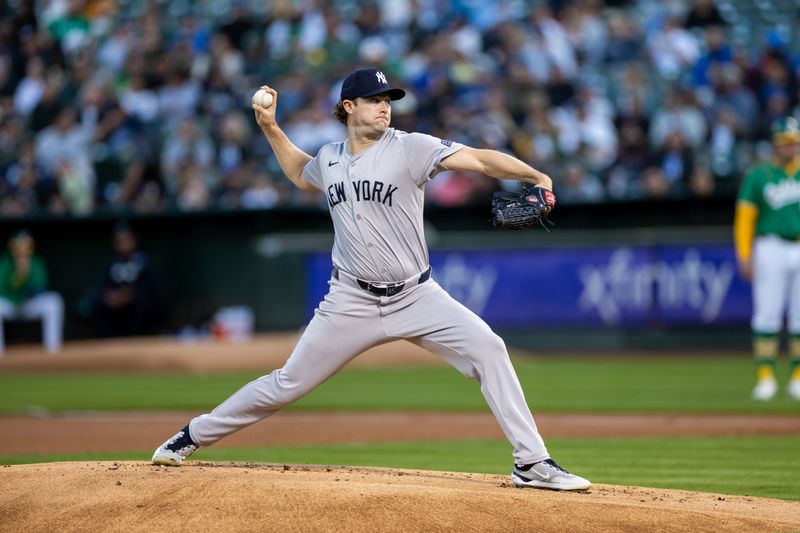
x=376, y=202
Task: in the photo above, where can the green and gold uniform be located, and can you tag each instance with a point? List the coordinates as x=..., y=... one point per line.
x=767, y=238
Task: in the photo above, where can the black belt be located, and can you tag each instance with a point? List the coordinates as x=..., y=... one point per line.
x=386, y=289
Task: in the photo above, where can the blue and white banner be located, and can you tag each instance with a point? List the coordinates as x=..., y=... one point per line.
x=627, y=285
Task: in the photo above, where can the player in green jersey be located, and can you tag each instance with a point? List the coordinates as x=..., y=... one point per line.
x=24, y=294
x=767, y=238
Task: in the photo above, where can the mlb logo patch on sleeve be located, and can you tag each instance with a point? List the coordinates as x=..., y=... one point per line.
x=447, y=142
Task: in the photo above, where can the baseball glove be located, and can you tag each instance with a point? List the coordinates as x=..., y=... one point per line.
x=517, y=210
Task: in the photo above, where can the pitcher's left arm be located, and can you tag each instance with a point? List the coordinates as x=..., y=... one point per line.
x=496, y=165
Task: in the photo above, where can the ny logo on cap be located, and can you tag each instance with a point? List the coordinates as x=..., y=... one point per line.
x=381, y=77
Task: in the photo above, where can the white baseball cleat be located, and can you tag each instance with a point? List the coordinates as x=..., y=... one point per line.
x=794, y=388
x=547, y=474
x=176, y=449
x=765, y=389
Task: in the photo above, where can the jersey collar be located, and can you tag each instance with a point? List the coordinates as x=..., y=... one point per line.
x=792, y=168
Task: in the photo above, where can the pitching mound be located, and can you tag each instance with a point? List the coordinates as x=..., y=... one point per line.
x=261, y=497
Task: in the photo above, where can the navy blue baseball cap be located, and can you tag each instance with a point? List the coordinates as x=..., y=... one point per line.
x=368, y=82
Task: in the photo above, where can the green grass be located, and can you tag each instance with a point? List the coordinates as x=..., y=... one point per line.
x=590, y=384
x=757, y=466
x=760, y=466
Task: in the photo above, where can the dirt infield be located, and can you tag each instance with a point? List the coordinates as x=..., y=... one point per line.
x=168, y=354
x=124, y=432
x=262, y=353
x=130, y=496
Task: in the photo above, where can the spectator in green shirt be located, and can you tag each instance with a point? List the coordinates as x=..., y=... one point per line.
x=24, y=294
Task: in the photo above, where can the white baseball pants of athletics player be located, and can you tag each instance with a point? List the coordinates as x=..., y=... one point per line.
x=47, y=307
x=776, y=285
x=349, y=321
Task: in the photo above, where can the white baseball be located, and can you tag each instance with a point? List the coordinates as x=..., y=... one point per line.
x=262, y=98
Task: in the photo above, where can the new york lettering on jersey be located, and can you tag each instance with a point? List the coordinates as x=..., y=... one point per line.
x=364, y=190
x=376, y=200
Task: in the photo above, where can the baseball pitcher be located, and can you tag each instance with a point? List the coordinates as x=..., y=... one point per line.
x=381, y=287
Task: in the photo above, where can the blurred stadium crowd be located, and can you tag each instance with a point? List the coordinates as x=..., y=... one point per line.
x=144, y=106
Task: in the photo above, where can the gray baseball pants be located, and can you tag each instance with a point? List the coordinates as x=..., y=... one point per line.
x=349, y=321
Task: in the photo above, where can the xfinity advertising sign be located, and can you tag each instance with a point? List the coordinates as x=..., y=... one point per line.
x=627, y=286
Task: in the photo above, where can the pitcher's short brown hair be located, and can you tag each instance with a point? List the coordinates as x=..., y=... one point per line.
x=339, y=113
